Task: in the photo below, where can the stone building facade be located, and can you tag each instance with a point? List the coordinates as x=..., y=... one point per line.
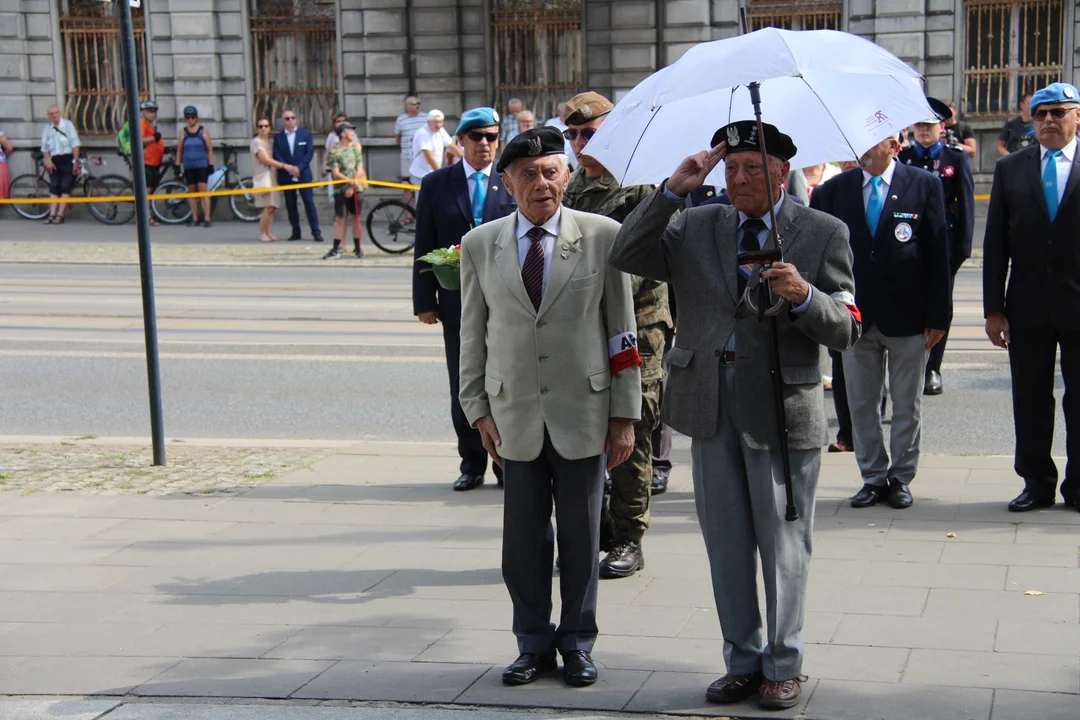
x=235, y=58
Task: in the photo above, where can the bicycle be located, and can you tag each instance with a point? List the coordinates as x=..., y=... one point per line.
x=176, y=211
x=396, y=222
x=35, y=186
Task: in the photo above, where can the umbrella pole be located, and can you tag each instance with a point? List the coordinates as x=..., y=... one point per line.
x=792, y=513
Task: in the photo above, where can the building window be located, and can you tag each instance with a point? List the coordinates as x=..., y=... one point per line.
x=94, y=98
x=295, y=60
x=795, y=14
x=1012, y=47
x=538, y=48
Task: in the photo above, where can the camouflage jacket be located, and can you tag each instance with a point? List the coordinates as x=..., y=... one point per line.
x=604, y=196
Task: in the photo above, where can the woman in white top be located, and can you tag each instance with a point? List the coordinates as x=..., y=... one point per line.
x=262, y=161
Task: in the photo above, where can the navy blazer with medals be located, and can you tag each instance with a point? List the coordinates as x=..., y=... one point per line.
x=902, y=272
x=1038, y=258
x=300, y=156
x=443, y=216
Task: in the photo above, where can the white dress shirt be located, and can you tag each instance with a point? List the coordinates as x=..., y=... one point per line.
x=1063, y=165
x=551, y=234
x=469, y=172
x=867, y=188
x=291, y=137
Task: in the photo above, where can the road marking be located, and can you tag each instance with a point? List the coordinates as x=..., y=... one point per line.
x=277, y=357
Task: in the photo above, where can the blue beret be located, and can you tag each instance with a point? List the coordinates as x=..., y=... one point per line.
x=477, y=118
x=1055, y=93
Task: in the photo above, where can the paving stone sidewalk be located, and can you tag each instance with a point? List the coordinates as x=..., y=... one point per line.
x=363, y=577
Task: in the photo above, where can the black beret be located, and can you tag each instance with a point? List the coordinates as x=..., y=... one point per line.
x=536, y=142
x=742, y=136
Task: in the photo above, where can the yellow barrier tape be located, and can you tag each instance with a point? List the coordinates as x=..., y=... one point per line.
x=982, y=197
x=189, y=195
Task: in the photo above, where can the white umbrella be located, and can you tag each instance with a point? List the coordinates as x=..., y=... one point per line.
x=834, y=93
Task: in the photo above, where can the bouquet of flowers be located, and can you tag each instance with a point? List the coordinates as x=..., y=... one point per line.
x=446, y=264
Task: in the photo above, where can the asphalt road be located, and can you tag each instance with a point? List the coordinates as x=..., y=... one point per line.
x=308, y=353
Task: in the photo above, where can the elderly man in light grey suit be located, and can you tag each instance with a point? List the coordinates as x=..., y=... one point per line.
x=550, y=377
x=720, y=389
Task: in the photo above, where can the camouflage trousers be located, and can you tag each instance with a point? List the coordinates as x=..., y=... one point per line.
x=626, y=510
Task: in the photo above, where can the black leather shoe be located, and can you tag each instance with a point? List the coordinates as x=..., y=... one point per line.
x=899, y=495
x=294, y=237
x=658, y=485
x=868, y=496
x=578, y=669
x=527, y=668
x=468, y=482
x=1029, y=500
x=932, y=386
x=624, y=560
x=317, y=237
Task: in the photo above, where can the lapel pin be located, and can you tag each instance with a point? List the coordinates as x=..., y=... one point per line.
x=494, y=187
x=565, y=256
x=566, y=246
x=894, y=198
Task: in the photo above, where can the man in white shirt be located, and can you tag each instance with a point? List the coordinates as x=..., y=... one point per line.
x=60, y=145
x=405, y=127
x=559, y=122
x=429, y=147
x=509, y=123
x=1030, y=296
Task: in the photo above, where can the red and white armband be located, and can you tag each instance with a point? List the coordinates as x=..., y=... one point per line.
x=848, y=300
x=623, y=351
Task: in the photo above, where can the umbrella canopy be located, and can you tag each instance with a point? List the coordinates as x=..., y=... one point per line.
x=834, y=93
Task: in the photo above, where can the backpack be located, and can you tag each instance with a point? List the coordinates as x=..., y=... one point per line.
x=123, y=140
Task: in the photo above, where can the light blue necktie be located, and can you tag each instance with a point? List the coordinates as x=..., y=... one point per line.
x=478, y=198
x=874, y=205
x=1050, y=186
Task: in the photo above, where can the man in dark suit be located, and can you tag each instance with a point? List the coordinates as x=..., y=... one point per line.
x=950, y=163
x=453, y=201
x=896, y=219
x=720, y=389
x=294, y=146
x=1031, y=232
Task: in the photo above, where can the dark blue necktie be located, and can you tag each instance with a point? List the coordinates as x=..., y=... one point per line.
x=749, y=241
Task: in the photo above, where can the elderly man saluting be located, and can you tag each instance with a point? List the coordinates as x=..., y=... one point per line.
x=550, y=377
x=720, y=389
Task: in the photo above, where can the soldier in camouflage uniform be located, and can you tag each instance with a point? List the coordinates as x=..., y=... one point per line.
x=593, y=189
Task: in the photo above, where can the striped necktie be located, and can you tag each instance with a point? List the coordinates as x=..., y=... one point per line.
x=532, y=271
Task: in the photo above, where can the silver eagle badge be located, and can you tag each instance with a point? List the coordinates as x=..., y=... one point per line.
x=732, y=135
x=535, y=146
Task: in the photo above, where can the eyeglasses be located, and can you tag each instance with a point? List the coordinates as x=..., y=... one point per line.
x=571, y=134
x=289, y=117
x=1056, y=113
x=263, y=125
x=477, y=136
x=415, y=103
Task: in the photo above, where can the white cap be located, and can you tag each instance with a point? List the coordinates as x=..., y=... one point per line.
x=435, y=115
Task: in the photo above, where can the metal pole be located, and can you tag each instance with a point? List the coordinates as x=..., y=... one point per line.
x=142, y=217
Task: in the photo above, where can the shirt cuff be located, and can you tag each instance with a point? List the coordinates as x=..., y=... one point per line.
x=668, y=194
x=805, y=303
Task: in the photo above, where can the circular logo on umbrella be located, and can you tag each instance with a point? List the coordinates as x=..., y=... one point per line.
x=903, y=232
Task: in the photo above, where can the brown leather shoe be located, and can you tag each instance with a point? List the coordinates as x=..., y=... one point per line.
x=782, y=694
x=734, y=688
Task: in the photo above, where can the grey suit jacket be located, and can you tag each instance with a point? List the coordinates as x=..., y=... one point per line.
x=550, y=369
x=696, y=254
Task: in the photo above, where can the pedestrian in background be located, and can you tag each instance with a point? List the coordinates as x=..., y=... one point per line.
x=346, y=162
x=525, y=121
x=295, y=147
x=559, y=123
x=153, y=151
x=1031, y=300
x=959, y=132
x=5, y=177
x=1018, y=132
x=332, y=140
x=195, y=153
x=405, y=128
x=263, y=162
x=429, y=146
x=509, y=123
x=60, y=145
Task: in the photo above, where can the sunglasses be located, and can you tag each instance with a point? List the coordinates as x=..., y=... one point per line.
x=291, y=117
x=262, y=125
x=415, y=103
x=491, y=137
x=571, y=134
x=1056, y=113
x=190, y=117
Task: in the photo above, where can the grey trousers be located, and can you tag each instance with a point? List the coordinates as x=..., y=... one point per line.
x=740, y=498
x=864, y=372
x=577, y=489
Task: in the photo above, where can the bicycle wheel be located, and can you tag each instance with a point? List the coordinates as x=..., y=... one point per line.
x=391, y=225
x=30, y=187
x=243, y=206
x=111, y=212
x=172, y=211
